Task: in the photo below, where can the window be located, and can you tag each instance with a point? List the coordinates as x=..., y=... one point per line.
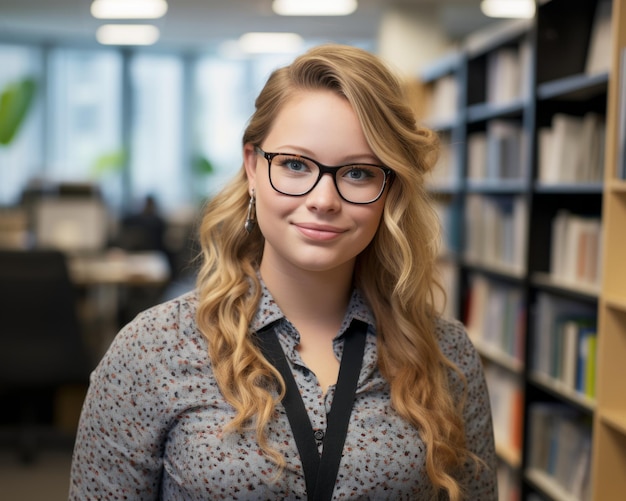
x=225, y=90
x=85, y=119
x=21, y=159
x=157, y=160
x=219, y=120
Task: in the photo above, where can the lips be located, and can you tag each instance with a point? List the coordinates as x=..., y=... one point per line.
x=319, y=231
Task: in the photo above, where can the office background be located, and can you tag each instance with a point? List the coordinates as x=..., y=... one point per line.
x=114, y=128
x=109, y=126
x=119, y=115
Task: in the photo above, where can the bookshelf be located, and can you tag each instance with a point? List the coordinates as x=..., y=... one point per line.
x=532, y=196
x=609, y=440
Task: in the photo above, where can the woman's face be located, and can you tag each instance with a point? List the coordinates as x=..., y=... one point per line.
x=319, y=231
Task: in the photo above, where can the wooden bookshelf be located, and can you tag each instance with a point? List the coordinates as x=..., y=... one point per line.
x=558, y=78
x=609, y=438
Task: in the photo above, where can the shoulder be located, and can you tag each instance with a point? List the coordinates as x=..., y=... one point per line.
x=456, y=346
x=177, y=313
x=451, y=336
x=165, y=333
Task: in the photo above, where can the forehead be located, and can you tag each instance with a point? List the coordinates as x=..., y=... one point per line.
x=318, y=122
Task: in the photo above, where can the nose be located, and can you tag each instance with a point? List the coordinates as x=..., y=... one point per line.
x=324, y=197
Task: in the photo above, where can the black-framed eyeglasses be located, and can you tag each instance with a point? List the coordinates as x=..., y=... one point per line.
x=296, y=175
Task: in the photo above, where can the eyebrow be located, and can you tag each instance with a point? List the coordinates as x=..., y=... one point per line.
x=350, y=159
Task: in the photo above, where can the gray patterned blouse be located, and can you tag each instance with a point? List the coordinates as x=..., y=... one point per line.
x=152, y=423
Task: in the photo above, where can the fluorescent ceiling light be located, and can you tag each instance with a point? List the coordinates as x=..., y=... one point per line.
x=314, y=7
x=127, y=34
x=258, y=43
x=508, y=8
x=128, y=9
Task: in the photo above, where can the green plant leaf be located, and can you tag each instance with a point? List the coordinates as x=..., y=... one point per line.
x=108, y=163
x=15, y=102
x=202, y=165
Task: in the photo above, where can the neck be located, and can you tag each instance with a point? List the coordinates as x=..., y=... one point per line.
x=310, y=298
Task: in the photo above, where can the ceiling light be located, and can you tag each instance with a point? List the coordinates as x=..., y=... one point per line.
x=508, y=8
x=128, y=9
x=314, y=7
x=257, y=43
x=127, y=34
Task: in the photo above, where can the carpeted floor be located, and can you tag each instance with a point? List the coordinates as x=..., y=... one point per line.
x=46, y=479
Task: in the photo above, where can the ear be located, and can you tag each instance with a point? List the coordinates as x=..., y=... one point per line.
x=250, y=159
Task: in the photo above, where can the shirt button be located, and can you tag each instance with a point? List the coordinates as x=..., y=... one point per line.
x=319, y=435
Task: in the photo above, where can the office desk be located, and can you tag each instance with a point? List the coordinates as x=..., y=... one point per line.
x=117, y=267
x=106, y=279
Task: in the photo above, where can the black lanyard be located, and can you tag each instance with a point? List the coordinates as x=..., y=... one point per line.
x=320, y=472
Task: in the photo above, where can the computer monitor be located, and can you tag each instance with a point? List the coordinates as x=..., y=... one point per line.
x=71, y=224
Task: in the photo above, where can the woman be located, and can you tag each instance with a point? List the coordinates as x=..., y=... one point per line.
x=301, y=263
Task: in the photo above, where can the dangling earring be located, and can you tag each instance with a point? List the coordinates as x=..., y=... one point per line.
x=251, y=215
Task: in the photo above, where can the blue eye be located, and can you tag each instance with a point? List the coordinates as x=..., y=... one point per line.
x=356, y=173
x=294, y=164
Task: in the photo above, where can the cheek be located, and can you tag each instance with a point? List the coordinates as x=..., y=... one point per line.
x=369, y=223
x=373, y=219
x=271, y=209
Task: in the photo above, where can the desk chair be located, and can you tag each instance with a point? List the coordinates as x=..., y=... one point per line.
x=41, y=345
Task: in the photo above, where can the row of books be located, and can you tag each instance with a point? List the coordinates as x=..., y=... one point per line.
x=576, y=249
x=508, y=71
x=571, y=150
x=497, y=153
x=560, y=447
x=496, y=231
x=496, y=316
x=564, y=343
x=599, y=52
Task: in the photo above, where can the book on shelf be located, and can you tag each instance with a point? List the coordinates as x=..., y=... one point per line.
x=507, y=402
x=477, y=155
x=575, y=252
x=503, y=75
x=564, y=343
x=508, y=483
x=496, y=231
x=507, y=69
x=495, y=317
x=571, y=150
x=586, y=364
x=560, y=446
x=504, y=149
x=498, y=152
x=599, y=52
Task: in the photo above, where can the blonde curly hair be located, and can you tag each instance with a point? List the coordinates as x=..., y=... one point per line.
x=396, y=272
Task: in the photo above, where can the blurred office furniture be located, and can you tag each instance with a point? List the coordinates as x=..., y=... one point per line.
x=119, y=267
x=71, y=224
x=117, y=285
x=42, y=347
x=105, y=278
x=143, y=232
x=14, y=232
